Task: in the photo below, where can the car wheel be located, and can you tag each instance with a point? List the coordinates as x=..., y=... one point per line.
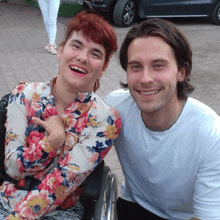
x=124, y=13
x=216, y=14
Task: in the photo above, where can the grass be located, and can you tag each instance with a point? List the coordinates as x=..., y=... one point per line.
x=65, y=10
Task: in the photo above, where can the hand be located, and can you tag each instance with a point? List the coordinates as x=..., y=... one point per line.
x=54, y=126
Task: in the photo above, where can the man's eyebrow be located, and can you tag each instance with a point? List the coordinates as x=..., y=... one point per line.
x=133, y=62
x=160, y=60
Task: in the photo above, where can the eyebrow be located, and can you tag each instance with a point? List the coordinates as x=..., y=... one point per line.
x=153, y=61
x=160, y=60
x=76, y=41
x=81, y=43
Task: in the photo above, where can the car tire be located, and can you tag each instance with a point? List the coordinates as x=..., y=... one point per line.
x=216, y=14
x=124, y=12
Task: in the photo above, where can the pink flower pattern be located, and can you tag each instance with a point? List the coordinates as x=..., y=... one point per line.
x=91, y=130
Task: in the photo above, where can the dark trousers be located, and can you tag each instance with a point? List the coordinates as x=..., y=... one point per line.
x=132, y=211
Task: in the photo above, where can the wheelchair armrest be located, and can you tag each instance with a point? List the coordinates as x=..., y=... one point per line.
x=92, y=184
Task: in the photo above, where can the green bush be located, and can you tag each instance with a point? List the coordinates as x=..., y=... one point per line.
x=32, y=3
x=66, y=9
x=69, y=9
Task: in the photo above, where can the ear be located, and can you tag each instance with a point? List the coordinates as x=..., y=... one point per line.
x=103, y=69
x=101, y=74
x=182, y=74
x=60, y=53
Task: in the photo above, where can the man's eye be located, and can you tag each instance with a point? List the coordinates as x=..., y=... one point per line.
x=158, y=66
x=135, y=67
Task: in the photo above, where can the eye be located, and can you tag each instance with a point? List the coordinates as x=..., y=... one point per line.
x=76, y=45
x=134, y=67
x=158, y=66
x=95, y=54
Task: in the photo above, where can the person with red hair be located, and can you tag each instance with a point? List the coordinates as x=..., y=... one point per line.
x=59, y=131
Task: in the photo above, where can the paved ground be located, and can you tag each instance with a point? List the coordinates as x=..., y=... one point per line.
x=22, y=38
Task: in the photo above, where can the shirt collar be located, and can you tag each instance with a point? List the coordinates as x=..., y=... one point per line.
x=82, y=97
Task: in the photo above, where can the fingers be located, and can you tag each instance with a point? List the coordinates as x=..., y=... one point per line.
x=38, y=121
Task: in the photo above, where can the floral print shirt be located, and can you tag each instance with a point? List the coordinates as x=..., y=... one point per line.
x=91, y=129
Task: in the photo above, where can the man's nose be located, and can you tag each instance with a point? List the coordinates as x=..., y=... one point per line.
x=147, y=76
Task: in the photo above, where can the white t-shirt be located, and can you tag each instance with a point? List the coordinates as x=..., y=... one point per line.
x=174, y=174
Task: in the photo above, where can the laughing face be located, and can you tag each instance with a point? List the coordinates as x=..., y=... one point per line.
x=152, y=75
x=81, y=63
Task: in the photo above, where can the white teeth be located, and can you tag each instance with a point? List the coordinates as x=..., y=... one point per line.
x=77, y=69
x=150, y=92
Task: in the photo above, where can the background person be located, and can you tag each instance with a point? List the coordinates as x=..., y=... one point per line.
x=170, y=158
x=59, y=131
x=49, y=10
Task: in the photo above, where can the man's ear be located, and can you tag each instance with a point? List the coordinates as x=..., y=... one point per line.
x=182, y=74
x=60, y=52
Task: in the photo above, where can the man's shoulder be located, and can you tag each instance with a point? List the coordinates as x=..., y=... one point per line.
x=118, y=97
x=202, y=118
x=201, y=109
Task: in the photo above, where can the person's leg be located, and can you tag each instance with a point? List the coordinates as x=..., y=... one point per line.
x=44, y=7
x=4, y=211
x=74, y=213
x=128, y=210
x=53, y=13
x=52, y=25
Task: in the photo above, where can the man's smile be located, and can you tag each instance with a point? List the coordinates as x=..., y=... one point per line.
x=152, y=92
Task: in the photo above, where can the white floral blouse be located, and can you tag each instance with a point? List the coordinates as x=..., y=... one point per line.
x=91, y=128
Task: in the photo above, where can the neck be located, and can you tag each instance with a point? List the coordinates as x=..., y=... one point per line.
x=62, y=95
x=163, y=120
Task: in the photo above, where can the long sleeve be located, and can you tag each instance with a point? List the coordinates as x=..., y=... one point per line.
x=91, y=130
x=27, y=150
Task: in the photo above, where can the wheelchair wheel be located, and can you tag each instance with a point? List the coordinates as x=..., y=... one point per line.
x=105, y=208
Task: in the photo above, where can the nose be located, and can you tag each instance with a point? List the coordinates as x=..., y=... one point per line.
x=147, y=76
x=82, y=56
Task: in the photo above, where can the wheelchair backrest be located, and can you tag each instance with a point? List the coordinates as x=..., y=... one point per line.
x=3, y=112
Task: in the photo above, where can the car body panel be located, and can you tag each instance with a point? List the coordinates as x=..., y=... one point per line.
x=202, y=6
x=102, y=5
x=164, y=7
x=175, y=8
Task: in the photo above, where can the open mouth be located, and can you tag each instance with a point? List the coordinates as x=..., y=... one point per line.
x=78, y=70
x=152, y=92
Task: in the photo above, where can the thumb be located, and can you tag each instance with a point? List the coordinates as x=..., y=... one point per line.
x=38, y=121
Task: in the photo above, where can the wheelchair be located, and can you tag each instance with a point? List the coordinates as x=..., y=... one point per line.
x=99, y=188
